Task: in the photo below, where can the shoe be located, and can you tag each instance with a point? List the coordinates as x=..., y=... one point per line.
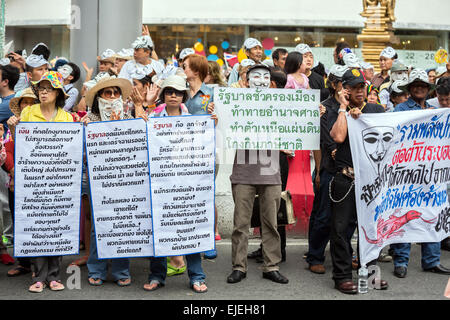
x=400, y=272
x=217, y=237
x=255, y=254
x=347, y=287
x=384, y=257
x=275, y=276
x=439, y=269
x=211, y=254
x=236, y=276
x=445, y=244
x=317, y=268
x=380, y=284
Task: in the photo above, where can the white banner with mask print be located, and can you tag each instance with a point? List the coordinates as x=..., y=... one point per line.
x=182, y=160
x=267, y=119
x=120, y=188
x=402, y=178
x=47, y=182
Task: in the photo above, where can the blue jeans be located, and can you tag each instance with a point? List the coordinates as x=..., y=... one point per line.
x=98, y=269
x=431, y=254
x=320, y=221
x=158, y=268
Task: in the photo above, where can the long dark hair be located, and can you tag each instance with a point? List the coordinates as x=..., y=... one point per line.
x=293, y=62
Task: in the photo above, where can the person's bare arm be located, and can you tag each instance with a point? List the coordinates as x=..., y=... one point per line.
x=339, y=130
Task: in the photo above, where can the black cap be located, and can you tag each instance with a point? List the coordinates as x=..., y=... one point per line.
x=353, y=77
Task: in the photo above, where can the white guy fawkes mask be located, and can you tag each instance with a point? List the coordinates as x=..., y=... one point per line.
x=107, y=107
x=400, y=75
x=259, y=78
x=65, y=71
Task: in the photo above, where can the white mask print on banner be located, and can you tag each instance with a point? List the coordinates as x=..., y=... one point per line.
x=259, y=78
x=107, y=107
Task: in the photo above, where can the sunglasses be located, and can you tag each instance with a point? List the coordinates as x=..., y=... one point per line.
x=110, y=93
x=169, y=92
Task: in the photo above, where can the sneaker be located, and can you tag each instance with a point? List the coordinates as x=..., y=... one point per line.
x=211, y=254
x=384, y=257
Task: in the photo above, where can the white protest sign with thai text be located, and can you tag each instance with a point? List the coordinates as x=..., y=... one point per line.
x=268, y=119
x=120, y=188
x=182, y=160
x=402, y=178
x=47, y=183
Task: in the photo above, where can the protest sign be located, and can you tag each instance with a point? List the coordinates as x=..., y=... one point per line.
x=47, y=182
x=120, y=188
x=402, y=178
x=268, y=119
x=182, y=159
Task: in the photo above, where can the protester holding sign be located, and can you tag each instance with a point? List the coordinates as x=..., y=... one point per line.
x=105, y=100
x=418, y=87
x=250, y=177
x=174, y=93
x=52, y=98
x=342, y=193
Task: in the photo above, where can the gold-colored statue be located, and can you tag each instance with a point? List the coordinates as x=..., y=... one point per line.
x=389, y=4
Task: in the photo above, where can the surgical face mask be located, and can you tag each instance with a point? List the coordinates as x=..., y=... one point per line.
x=65, y=71
x=107, y=107
x=399, y=75
x=259, y=78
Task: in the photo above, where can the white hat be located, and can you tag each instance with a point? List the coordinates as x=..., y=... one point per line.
x=388, y=52
x=251, y=43
x=174, y=81
x=186, y=52
x=143, y=42
x=366, y=65
x=169, y=70
x=344, y=52
x=35, y=61
x=338, y=70
x=107, y=55
x=126, y=54
x=417, y=75
x=351, y=60
x=303, y=48
x=247, y=62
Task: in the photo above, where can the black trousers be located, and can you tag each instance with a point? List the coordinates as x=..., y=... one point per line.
x=343, y=216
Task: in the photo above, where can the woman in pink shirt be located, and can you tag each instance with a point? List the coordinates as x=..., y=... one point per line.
x=295, y=70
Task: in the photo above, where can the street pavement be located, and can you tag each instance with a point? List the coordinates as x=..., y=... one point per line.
x=303, y=285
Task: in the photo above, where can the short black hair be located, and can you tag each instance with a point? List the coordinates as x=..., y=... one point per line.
x=278, y=76
x=320, y=69
x=276, y=54
x=11, y=74
x=339, y=46
x=293, y=62
x=443, y=87
x=75, y=73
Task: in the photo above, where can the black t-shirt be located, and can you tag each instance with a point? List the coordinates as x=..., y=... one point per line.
x=327, y=144
x=317, y=82
x=343, y=153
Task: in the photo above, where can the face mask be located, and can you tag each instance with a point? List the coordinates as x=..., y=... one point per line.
x=259, y=78
x=65, y=71
x=107, y=107
x=401, y=75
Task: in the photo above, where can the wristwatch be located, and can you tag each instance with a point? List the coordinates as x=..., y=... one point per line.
x=342, y=110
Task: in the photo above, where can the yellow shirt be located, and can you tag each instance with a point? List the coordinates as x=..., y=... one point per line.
x=33, y=114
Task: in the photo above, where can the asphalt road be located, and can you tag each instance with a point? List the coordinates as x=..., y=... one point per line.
x=303, y=285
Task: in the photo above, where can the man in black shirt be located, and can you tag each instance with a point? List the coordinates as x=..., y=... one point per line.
x=342, y=193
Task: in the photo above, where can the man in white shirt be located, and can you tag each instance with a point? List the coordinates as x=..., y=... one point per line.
x=443, y=94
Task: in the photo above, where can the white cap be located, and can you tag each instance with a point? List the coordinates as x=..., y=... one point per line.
x=251, y=43
x=108, y=53
x=125, y=53
x=303, y=48
x=186, y=52
x=35, y=61
x=366, y=65
x=338, y=70
x=143, y=42
x=247, y=62
x=388, y=52
x=351, y=60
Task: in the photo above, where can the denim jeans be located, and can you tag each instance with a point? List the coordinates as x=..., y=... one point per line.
x=320, y=222
x=431, y=254
x=158, y=268
x=98, y=269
